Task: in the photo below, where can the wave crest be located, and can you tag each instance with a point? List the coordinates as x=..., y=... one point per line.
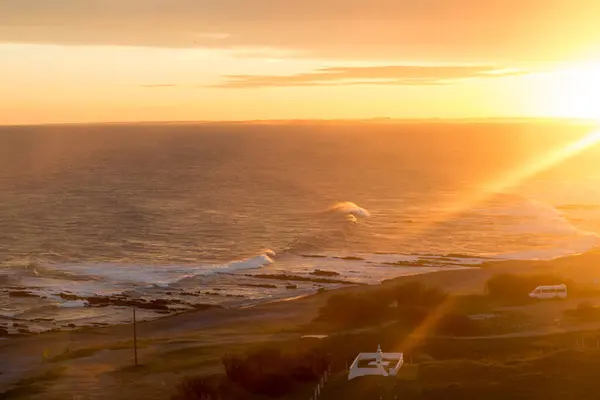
x=350, y=210
x=250, y=263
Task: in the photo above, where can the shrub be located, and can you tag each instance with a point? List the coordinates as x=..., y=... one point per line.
x=457, y=325
x=417, y=294
x=355, y=310
x=197, y=388
x=585, y=311
x=269, y=372
x=411, y=316
x=414, y=302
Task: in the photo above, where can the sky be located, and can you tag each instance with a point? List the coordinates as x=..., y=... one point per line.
x=182, y=60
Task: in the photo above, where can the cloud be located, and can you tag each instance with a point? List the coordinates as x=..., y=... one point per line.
x=436, y=30
x=403, y=75
x=158, y=85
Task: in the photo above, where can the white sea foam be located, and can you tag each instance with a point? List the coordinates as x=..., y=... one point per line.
x=249, y=263
x=74, y=304
x=109, y=279
x=349, y=208
x=269, y=253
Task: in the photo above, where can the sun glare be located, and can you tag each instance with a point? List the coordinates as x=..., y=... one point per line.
x=576, y=92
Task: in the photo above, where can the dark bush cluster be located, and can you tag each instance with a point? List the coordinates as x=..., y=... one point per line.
x=200, y=388
x=265, y=372
x=270, y=372
x=585, y=312
x=456, y=324
x=355, y=310
x=409, y=303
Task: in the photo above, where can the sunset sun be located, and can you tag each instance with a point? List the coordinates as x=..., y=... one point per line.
x=577, y=92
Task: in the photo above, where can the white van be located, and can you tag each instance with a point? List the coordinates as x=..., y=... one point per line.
x=549, y=292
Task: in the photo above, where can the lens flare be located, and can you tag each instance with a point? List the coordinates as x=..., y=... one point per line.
x=510, y=180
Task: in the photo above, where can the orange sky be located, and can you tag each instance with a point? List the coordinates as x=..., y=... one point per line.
x=142, y=60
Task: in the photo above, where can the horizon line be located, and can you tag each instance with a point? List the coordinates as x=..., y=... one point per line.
x=290, y=121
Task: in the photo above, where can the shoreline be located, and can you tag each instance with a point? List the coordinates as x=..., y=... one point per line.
x=175, y=303
x=225, y=330
x=426, y=276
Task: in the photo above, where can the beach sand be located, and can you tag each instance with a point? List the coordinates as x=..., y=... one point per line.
x=96, y=363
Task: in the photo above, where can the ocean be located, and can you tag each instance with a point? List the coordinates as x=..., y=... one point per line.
x=172, y=217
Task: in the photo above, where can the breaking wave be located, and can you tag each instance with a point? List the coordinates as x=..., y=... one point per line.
x=349, y=208
x=250, y=263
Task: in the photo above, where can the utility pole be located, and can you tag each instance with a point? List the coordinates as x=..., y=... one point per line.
x=134, y=339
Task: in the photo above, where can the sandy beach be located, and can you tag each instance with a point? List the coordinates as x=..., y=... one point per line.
x=97, y=363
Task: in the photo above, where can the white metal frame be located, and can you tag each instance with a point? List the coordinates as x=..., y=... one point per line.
x=382, y=364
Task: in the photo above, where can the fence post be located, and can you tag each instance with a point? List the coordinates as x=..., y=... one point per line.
x=135, y=357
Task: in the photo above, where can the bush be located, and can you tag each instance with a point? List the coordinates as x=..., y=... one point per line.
x=413, y=300
x=457, y=325
x=355, y=310
x=269, y=372
x=585, y=312
x=197, y=388
x=416, y=294
x=411, y=316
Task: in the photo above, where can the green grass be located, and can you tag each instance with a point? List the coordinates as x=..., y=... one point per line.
x=205, y=358
x=408, y=372
x=71, y=355
x=90, y=351
x=28, y=388
x=557, y=376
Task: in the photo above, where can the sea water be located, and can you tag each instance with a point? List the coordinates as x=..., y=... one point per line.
x=199, y=213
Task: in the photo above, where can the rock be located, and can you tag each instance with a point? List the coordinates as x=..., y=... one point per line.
x=20, y=293
x=153, y=305
x=291, y=287
x=72, y=326
x=99, y=301
x=69, y=296
x=3, y=332
x=202, y=306
x=259, y=285
x=23, y=330
x=319, y=272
